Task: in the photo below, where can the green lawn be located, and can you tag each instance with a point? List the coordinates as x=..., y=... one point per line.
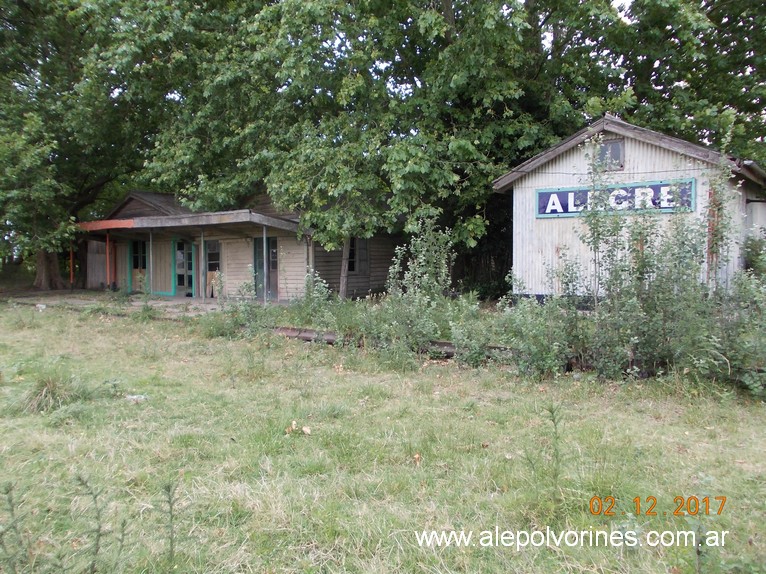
x=384, y=455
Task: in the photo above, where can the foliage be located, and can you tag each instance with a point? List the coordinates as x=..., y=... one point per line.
x=316, y=297
x=662, y=50
x=735, y=350
x=470, y=331
x=357, y=116
x=422, y=267
x=754, y=250
x=536, y=334
x=71, y=127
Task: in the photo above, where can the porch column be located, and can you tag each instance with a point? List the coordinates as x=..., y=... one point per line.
x=108, y=269
x=151, y=262
x=265, y=266
x=203, y=266
x=310, y=253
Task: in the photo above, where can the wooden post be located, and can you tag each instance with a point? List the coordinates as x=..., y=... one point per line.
x=108, y=269
x=343, y=288
x=310, y=254
x=265, y=266
x=203, y=266
x=151, y=262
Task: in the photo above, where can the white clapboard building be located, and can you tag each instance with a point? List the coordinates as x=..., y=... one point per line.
x=640, y=170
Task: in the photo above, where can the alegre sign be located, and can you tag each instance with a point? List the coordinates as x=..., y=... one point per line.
x=662, y=196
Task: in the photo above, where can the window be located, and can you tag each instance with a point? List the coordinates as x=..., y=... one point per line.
x=610, y=155
x=139, y=255
x=357, y=256
x=352, y=255
x=213, y=255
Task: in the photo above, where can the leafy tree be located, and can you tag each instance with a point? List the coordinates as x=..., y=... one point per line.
x=69, y=129
x=358, y=115
x=361, y=115
x=698, y=70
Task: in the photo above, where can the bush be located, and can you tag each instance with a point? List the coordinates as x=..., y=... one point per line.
x=472, y=333
x=537, y=334
x=754, y=251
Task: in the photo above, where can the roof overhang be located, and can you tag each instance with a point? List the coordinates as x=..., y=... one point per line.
x=106, y=224
x=241, y=219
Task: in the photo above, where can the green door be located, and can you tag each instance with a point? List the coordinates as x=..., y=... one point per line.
x=184, y=268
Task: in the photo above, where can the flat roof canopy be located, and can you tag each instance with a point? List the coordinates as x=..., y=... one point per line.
x=241, y=220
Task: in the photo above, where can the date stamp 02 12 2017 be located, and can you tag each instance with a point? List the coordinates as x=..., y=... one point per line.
x=683, y=506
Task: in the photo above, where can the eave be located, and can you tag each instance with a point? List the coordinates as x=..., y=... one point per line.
x=612, y=124
x=241, y=218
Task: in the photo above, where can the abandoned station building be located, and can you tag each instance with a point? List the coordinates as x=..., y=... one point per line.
x=641, y=170
x=150, y=240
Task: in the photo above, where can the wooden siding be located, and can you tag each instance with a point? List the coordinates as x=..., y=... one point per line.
x=292, y=267
x=123, y=265
x=161, y=267
x=540, y=244
x=96, y=271
x=381, y=251
x=372, y=273
x=236, y=264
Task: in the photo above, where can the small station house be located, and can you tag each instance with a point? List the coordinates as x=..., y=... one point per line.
x=643, y=170
x=150, y=242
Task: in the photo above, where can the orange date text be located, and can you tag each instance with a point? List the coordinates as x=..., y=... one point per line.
x=647, y=506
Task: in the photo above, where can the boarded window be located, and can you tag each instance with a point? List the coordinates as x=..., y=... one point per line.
x=610, y=155
x=357, y=256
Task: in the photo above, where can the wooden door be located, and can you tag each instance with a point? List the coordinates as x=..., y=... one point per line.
x=138, y=266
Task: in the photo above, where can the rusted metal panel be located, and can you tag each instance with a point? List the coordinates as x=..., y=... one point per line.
x=106, y=224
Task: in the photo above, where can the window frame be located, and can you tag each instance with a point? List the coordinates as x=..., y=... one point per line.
x=605, y=158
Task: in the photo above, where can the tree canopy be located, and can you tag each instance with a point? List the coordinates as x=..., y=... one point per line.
x=359, y=115
x=69, y=130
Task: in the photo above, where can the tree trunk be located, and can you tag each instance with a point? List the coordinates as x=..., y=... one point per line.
x=48, y=275
x=343, y=288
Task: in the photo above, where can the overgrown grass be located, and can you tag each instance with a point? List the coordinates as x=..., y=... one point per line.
x=52, y=388
x=199, y=425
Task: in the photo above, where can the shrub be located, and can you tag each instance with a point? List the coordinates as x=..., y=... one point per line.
x=536, y=334
x=471, y=332
x=754, y=251
x=423, y=266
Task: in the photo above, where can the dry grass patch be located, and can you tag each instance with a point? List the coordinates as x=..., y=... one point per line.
x=389, y=454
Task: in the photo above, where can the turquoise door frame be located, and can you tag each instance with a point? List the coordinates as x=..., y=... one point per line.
x=173, y=260
x=272, y=272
